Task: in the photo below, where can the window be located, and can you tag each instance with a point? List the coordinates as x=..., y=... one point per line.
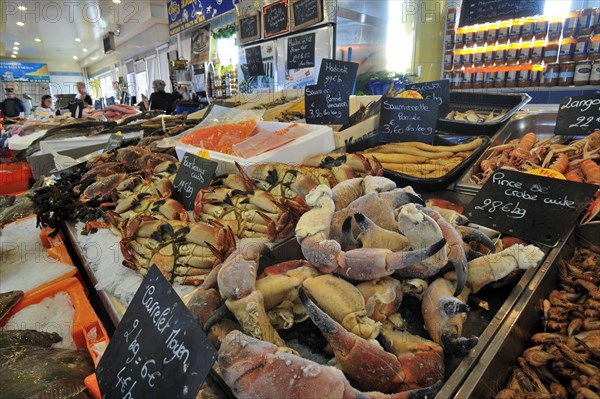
x=141, y=81
x=106, y=87
x=227, y=50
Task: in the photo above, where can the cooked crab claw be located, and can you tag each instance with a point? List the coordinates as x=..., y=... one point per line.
x=373, y=236
x=471, y=234
x=254, y=369
x=367, y=363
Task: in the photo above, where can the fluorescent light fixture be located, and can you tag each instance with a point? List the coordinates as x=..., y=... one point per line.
x=22, y=8
x=15, y=52
x=117, y=1
x=16, y=48
x=555, y=9
x=20, y=23
x=13, y=56
x=37, y=39
x=17, y=43
x=75, y=57
x=77, y=39
x=84, y=50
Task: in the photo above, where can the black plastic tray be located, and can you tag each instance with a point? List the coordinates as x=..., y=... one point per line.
x=464, y=101
x=417, y=183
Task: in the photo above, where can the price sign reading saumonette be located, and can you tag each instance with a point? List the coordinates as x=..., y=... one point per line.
x=407, y=119
x=531, y=207
x=158, y=349
x=438, y=90
x=578, y=115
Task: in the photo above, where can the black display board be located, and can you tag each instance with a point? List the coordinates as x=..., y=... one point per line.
x=193, y=175
x=327, y=105
x=481, y=11
x=337, y=73
x=438, y=90
x=578, y=115
x=249, y=28
x=306, y=13
x=255, y=61
x=301, y=51
x=276, y=18
x=114, y=141
x=534, y=208
x=158, y=349
x=407, y=119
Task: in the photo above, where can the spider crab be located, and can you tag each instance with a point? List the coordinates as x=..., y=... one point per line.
x=366, y=228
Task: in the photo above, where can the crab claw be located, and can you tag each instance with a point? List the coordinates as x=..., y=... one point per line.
x=471, y=234
x=369, y=364
x=592, y=211
x=347, y=240
x=373, y=236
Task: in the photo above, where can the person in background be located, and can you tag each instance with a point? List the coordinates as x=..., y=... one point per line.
x=82, y=94
x=45, y=110
x=160, y=99
x=12, y=106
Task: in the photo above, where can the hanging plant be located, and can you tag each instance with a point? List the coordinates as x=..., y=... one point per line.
x=225, y=32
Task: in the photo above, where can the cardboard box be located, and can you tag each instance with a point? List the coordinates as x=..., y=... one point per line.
x=316, y=142
x=362, y=130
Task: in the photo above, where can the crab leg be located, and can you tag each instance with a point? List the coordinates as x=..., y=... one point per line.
x=368, y=364
x=373, y=236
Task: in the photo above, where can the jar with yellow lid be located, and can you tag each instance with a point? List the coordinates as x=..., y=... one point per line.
x=551, y=52
x=581, y=48
x=594, y=49
x=458, y=58
x=555, y=28
x=500, y=54
x=469, y=36
x=459, y=38
x=570, y=24
x=512, y=53
x=537, y=51
x=481, y=34
x=528, y=28
x=586, y=21
x=468, y=57
x=541, y=27
x=567, y=49
x=525, y=52
x=503, y=32
x=478, y=56
x=515, y=29
x=492, y=33
x=536, y=74
x=524, y=76
x=489, y=77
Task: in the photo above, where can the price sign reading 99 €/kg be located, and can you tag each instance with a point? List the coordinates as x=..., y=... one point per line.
x=408, y=119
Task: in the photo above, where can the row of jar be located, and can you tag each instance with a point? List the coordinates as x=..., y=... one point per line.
x=528, y=52
x=567, y=74
x=577, y=23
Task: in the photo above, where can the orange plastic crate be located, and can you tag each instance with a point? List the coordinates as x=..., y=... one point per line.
x=85, y=318
x=14, y=178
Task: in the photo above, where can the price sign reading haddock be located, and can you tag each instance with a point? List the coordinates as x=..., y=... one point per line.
x=158, y=349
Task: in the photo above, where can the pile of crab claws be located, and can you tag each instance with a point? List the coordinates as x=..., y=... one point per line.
x=325, y=324
x=451, y=306
x=461, y=276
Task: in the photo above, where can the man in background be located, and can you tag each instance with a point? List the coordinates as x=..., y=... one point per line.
x=82, y=94
x=12, y=106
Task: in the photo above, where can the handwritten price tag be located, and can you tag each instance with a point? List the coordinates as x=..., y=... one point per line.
x=531, y=207
x=195, y=173
x=407, y=119
x=578, y=115
x=158, y=349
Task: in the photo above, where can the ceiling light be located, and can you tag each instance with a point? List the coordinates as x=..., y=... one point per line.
x=22, y=8
x=77, y=39
x=16, y=48
x=84, y=50
x=117, y=1
x=75, y=57
x=94, y=58
x=15, y=52
x=37, y=39
x=13, y=56
x=20, y=23
x=17, y=43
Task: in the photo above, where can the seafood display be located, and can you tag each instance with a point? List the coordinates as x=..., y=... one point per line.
x=474, y=116
x=577, y=161
x=115, y=112
x=14, y=208
x=562, y=361
x=367, y=245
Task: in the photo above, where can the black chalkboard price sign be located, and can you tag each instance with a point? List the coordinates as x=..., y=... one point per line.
x=114, y=141
x=306, y=13
x=194, y=174
x=482, y=11
x=438, y=90
x=535, y=208
x=407, y=119
x=337, y=73
x=327, y=105
x=276, y=18
x=301, y=51
x=254, y=61
x=249, y=28
x=578, y=115
x=158, y=349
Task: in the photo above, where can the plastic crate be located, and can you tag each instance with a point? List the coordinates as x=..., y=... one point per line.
x=84, y=320
x=14, y=178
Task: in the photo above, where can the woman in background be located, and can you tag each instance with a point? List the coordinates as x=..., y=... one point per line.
x=45, y=110
x=160, y=99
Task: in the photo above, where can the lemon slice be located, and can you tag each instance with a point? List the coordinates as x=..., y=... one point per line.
x=409, y=94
